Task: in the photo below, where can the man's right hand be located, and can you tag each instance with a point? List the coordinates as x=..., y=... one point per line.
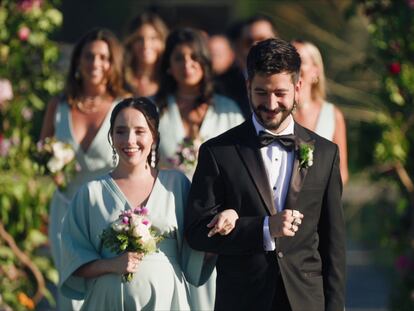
x=285, y=223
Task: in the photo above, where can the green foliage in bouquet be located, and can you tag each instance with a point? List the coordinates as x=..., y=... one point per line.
x=28, y=78
x=391, y=24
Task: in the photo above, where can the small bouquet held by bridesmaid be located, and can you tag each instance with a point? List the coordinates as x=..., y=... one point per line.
x=56, y=159
x=131, y=232
x=185, y=157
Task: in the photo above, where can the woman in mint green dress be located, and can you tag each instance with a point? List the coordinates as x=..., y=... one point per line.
x=191, y=113
x=93, y=272
x=80, y=117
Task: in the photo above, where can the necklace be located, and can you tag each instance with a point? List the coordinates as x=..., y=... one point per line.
x=90, y=104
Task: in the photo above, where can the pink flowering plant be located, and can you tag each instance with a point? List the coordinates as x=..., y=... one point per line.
x=56, y=159
x=131, y=232
x=29, y=77
x=185, y=158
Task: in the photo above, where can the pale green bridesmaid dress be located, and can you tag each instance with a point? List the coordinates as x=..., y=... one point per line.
x=94, y=162
x=159, y=283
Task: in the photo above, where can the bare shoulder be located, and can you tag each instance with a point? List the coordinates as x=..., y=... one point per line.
x=48, y=128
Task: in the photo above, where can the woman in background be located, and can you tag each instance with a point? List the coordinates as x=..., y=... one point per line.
x=191, y=113
x=313, y=111
x=144, y=47
x=80, y=117
x=190, y=110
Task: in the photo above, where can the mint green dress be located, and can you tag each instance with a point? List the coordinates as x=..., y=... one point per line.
x=96, y=161
x=221, y=116
x=159, y=283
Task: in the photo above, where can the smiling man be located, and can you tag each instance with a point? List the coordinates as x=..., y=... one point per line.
x=266, y=197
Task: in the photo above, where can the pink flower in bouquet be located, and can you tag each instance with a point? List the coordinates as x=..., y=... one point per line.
x=27, y=5
x=24, y=33
x=394, y=68
x=6, y=91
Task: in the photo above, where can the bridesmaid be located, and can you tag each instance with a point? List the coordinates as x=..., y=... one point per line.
x=94, y=273
x=144, y=47
x=80, y=117
x=190, y=109
x=191, y=112
x=313, y=111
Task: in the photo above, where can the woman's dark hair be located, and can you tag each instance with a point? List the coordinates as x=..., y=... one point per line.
x=198, y=42
x=273, y=56
x=150, y=112
x=115, y=77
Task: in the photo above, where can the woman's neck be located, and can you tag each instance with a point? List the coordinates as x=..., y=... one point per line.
x=145, y=71
x=138, y=172
x=94, y=90
x=305, y=98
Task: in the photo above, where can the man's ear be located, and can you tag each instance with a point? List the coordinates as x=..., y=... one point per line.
x=298, y=87
x=248, y=84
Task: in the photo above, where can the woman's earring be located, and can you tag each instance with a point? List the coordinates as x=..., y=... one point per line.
x=114, y=156
x=153, y=156
x=315, y=79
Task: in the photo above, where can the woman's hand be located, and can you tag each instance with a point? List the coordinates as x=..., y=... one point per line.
x=123, y=264
x=223, y=223
x=127, y=262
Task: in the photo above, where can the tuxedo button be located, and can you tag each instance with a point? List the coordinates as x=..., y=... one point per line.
x=280, y=254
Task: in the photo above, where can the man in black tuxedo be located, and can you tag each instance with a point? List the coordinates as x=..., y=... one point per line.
x=266, y=197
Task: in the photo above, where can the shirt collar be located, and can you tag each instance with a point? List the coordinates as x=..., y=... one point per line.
x=288, y=130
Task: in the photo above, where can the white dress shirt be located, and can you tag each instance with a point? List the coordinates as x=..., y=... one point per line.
x=278, y=164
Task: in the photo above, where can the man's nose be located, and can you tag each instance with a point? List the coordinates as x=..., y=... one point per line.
x=273, y=101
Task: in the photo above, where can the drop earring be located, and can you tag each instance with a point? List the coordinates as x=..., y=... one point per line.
x=114, y=157
x=153, y=156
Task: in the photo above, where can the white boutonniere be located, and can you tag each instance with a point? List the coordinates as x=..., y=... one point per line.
x=305, y=155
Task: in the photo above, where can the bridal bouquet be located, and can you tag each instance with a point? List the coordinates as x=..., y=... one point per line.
x=56, y=159
x=185, y=157
x=131, y=232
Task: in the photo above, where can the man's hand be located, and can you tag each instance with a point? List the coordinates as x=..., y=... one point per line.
x=223, y=223
x=285, y=223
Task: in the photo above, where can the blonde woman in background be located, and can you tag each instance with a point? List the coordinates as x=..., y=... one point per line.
x=313, y=111
x=144, y=47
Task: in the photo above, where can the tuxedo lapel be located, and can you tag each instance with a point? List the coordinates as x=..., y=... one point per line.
x=298, y=173
x=248, y=148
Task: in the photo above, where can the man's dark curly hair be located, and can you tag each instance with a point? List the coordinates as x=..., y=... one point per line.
x=273, y=56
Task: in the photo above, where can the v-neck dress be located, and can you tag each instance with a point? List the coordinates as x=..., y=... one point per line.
x=159, y=283
x=222, y=115
x=325, y=126
x=95, y=162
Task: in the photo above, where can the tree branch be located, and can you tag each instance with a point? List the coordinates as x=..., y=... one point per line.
x=26, y=261
x=405, y=178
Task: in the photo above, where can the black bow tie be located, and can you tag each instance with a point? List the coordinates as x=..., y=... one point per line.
x=286, y=141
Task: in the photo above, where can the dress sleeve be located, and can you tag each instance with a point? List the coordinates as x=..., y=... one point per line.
x=77, y=248
x=196, y=266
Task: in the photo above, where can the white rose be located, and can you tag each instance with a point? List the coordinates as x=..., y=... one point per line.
x=140, y=229
x=63, y=152
x=55, y=164
x=119, y=226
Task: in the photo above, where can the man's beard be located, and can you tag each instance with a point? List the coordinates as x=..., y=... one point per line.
x=271, y=124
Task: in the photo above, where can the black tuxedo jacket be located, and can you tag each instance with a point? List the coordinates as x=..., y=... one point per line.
x=231, y=175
